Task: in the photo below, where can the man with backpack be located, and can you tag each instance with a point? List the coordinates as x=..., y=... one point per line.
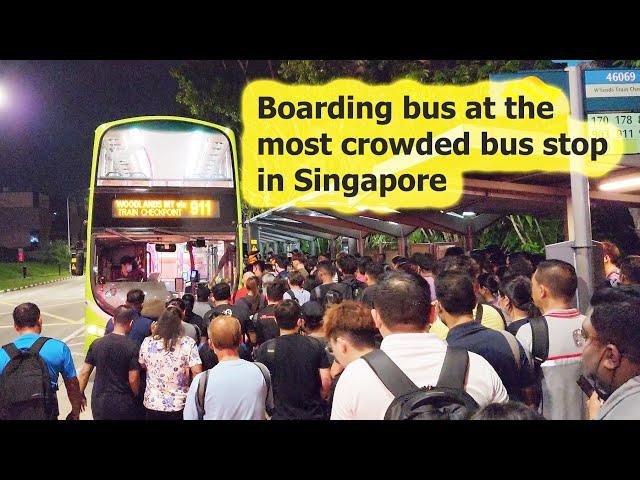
x=299, y=367
x=29, y=369
x=234, y=389
x=553, y=341
x=455, y=304
x=325, y=274
x=388, y=383
x=348, y=265
x=296, y=292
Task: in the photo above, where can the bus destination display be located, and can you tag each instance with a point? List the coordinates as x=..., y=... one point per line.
x=165, y=208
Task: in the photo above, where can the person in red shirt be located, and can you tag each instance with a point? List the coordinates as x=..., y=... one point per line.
x=242, y=292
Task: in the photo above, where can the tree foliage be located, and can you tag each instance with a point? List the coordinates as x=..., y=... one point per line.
x=212, y=91
x=59, y=254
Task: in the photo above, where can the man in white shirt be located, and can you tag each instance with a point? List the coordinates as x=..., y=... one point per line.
x=553, y=286
x=401, y=310
x=235, y=389
x=302, y=296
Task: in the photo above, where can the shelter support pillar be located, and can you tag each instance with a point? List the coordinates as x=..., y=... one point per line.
x=580, y=201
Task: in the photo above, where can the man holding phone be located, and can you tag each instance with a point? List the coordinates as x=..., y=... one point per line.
x=611, y=352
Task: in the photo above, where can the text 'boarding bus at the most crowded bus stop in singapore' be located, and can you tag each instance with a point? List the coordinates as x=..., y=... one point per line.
x=164, y=213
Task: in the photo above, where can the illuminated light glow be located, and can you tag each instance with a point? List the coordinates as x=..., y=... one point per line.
x=165, y=208
x=92, y=330
x=101, y=332
x=454, y=214
x=4, y=97
x=620, y=184
x=468, y=214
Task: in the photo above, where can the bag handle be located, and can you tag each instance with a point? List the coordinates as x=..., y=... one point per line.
x=267, y=378
x=389, y=373
x=454, y=368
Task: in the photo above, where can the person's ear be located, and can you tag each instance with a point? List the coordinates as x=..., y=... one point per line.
x=376, y=318
x=343, y=346
x=607, y=259
x=543, y=291
x=612, y=357
x=300, y=323
x=40, y=321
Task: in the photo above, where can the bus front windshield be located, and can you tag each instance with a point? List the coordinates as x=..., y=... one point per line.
x=122, y=266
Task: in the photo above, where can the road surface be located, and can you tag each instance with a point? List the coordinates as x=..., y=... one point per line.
x=62, y=308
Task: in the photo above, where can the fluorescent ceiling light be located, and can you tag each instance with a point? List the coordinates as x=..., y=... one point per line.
x=620, y=184
x=468, y=214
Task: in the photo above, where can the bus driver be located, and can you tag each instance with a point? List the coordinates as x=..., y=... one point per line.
x=129, y=270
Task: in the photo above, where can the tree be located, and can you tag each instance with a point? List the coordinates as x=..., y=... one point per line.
x=60, y=254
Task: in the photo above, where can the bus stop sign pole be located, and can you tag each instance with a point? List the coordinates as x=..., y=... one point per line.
x=580, y=202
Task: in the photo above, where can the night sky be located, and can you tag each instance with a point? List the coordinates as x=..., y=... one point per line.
x=54, y=107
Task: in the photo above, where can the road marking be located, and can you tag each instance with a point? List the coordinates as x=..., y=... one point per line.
x=49, y=324
x=47, y=314
x=47, y=305
x=74, y=334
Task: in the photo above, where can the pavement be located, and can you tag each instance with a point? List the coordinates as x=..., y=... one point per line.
x=62, y=307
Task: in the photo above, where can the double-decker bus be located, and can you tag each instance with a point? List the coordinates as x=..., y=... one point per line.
x=164, y=213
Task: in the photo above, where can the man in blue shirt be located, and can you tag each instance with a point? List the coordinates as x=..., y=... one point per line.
x=455, y=304
x=141, y=325
x=56, y=356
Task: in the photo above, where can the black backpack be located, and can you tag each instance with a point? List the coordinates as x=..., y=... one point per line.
x=25, y=386
x=353, y=289
x=446, y=401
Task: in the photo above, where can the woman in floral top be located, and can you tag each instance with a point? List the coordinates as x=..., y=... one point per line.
x=171, y=360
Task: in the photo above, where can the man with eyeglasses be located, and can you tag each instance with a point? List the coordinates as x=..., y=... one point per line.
x=611, y=352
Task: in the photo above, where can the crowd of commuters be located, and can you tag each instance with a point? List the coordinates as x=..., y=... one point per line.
x=483, y=335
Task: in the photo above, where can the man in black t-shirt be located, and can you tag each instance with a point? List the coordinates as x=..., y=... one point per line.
x=265, y=320
x=193, y=318
x=115, y=358
x=299, y=368
x=221, y=294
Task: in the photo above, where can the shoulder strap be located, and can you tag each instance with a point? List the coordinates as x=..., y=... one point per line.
x=318, y=292
x=202, y=388
x=267, y=378
x=11, y=350
x=539, y=339
x=478, y=318
x=454, y=368
x=38, y=344
x=389, y=373
x=291, y=294
x=514, y=346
